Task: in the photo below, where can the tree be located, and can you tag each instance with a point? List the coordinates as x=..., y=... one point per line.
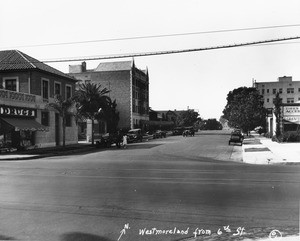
x=110, y=115
x=64, y=108
x=188, y=118
x=277, y=112
x=91, y=98
x=244, y=109
x=212, y=124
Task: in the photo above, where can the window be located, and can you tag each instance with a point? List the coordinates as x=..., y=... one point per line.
x=267, y=90
x=263, y=91
x=45, y=118
x=280, y=91
x=45, y=89
x=290, y=90
x=298, y=89
x=11, y=83
x=274, y=91
x=268, y=100
x=68, y=91
x=290, y=100
x=57, y=88
x=68, y=120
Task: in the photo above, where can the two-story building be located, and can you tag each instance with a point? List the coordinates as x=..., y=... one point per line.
x=27, y=87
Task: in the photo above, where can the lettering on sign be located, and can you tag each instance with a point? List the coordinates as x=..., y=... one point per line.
x=291, y=110
x=17, y=111
x=294, y=119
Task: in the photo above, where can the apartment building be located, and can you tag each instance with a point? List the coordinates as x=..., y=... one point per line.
x=128, y=85
x=289, y=91
x=27, y=87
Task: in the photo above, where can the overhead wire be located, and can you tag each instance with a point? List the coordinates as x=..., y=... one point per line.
x=167, y=52
x=154, y=36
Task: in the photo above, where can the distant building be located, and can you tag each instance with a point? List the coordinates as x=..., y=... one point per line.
x=27, y=87
x=289, y=91
x=128, y=85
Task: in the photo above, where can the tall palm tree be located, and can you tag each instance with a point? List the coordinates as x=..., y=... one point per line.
x=64, y=108
x=90, y=98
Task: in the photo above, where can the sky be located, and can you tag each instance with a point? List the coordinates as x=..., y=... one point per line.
x=201, y=80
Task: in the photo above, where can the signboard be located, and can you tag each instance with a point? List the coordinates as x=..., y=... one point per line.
x=291, y=110
x=17, y=111
x=293, y=119
x=291, y=114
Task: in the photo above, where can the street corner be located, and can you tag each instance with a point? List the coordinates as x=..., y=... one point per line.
x=256, y=153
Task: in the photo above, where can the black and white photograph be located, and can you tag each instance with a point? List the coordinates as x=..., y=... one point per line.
x=168, y=120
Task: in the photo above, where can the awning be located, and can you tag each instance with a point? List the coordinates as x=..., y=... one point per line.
x=24, y=124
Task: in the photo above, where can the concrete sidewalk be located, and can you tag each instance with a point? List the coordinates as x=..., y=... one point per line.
x=81, y=147
x=262, y=150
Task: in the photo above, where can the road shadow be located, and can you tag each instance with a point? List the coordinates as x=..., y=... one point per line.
x=3, y=237
x=78, y=236
x=133, y=146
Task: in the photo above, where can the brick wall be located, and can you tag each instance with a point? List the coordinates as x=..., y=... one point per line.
x=119, y=82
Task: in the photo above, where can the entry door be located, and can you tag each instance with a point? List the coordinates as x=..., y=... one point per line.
x=57, y=132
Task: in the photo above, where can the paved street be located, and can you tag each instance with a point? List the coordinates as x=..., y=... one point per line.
x=174, y=184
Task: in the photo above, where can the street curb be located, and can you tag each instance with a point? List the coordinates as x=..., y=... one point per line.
x=40, y=156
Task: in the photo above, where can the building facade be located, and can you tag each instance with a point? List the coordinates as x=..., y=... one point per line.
x=128, y=85
x=27, y=87
x=289, y=92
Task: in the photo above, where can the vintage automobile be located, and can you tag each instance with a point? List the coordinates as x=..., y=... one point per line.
x=160, y=134
x=105, y=140
x=134, y=135
x=236, y=137
x=178, y=131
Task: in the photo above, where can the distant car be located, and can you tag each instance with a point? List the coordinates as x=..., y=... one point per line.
x=160, y=134
x=188, y=131
x=178, y=131
x=105, y=140
x=236, y=137
x=134, y=135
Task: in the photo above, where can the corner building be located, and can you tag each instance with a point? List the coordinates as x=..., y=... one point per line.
x=27, y=87
x=289, y=91
x=128, y=85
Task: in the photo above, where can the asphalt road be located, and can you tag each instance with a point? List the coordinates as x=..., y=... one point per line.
x=164, y=186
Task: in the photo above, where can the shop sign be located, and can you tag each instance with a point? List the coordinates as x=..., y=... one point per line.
x=291, y=110
x=17, y=111
x=293, y=119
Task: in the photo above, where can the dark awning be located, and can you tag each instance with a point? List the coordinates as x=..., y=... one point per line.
x=24, y=124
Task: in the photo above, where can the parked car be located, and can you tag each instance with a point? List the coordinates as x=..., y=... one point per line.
x=134, y=135
x=236, y=137
x=178, y=131
x=105, y=140
x=188, y=131
x=160, y=134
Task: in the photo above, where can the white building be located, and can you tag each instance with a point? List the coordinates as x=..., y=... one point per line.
x=289, y=91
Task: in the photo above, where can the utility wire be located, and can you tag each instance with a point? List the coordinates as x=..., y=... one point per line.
x=131, y=55
x=154, y=36
x=171, y=51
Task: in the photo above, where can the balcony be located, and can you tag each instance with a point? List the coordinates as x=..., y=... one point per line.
x=17, y=96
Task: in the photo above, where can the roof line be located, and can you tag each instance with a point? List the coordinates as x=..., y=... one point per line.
x=26, y=59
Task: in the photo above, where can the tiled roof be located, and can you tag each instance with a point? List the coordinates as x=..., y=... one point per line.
x=16, y=60
x=114, y=66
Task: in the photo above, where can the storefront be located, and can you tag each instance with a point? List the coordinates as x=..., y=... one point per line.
x=291, y=118
x=18, y=127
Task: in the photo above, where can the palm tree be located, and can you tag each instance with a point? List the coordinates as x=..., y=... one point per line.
x=91, y=98
x=64, y=108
